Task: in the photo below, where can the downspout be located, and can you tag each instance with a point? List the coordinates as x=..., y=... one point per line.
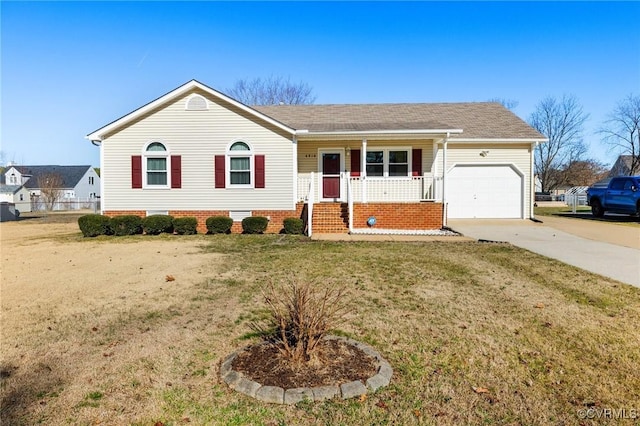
x=444, y=180
x=99, y=144
x=532, y=182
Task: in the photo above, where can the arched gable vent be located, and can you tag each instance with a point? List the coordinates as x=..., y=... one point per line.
x=197, y=103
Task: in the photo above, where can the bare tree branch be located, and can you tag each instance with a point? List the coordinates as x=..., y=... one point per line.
x=507, y=103
x=621, y=130
x=272, y=91
x=561, y=121
x=50, y=185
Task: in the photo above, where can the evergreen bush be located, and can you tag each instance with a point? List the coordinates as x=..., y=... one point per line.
x=219, y=224
x=157, y=224
x=293, y=225
x=254, y=224
x=92, y=225
x=185, y=225
x=126, y=225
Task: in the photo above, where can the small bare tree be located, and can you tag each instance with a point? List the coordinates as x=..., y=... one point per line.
x=300, y=316
x=622, y=130
x=272, y=91
x=50, y=189
x=561, y=121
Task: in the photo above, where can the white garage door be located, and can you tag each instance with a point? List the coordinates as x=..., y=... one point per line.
x=484, y=192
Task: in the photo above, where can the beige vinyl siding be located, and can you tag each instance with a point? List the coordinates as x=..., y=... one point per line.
x=517, y=154
x=308, y=151
x=198, y=136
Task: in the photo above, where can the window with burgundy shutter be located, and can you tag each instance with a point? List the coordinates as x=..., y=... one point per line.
x=355, y=162
x=176, y=171
x=385, y=162
x=416, y=162
x=136, y=171
x=259, y=162
x=219, y=172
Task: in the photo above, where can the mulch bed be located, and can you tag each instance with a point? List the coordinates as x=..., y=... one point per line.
x=334, y=362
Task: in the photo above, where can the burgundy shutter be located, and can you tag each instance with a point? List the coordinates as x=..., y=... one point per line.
x=355, y=162
x=136, y=171
x=259, y=163
x=176, y=171
x=416, y=162
x=219, y=171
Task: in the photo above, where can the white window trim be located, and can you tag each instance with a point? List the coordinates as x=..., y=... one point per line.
x=385, y=161
x=152, y=154
x=239, y=154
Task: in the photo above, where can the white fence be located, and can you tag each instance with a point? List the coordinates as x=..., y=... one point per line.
x=576, y=196
x=38, y=204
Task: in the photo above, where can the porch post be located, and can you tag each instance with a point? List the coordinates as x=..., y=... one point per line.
x=444, y=180
x=310, y=201
x=363, y=170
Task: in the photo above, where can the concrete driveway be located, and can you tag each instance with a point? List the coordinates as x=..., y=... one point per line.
x=603, y=248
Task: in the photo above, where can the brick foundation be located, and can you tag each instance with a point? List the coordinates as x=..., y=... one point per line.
x=275, y=223
x=329, y=218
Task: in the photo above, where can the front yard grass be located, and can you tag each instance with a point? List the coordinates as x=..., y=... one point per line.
x=476, y=333
x=559, y=210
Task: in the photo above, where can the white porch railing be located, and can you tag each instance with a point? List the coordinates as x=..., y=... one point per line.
x=391, y=189
x=394, y=189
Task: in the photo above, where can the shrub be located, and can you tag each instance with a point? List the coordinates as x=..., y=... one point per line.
x=157, y=224
x=254, y=224
x=185, y=225
x=92, y=225
x=293, y=225
x=219, y=224
x=300, y=315
x=126, y=225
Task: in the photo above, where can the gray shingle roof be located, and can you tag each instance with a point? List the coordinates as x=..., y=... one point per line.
x=478, y=120
x=70, y=175
x=9, y=189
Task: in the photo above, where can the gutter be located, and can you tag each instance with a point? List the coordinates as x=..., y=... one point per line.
x=379, y=132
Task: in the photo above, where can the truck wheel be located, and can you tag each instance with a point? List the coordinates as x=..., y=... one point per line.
x=596, y=208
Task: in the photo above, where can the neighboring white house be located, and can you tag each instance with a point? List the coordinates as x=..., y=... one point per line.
x=345, y=168
x=80, y=185
x=17, y=195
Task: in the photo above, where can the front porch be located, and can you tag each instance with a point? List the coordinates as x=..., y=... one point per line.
x=401, y=206
x=382, y=183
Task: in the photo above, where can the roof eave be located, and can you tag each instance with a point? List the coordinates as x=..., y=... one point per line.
x=380, y=132
x=98, y=134
x=499, y=140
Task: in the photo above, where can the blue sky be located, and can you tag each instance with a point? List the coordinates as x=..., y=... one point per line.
x=69, y=68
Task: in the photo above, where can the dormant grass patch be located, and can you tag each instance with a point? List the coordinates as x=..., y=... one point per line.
x=94, y=333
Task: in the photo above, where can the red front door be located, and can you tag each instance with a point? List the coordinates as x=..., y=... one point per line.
x=330, y=175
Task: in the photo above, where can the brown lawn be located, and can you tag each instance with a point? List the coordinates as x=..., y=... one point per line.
x=93, y=333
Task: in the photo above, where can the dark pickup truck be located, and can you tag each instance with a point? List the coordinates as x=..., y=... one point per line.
x=619, y=195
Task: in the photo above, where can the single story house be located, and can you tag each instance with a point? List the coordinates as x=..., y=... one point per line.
x=77, y=184
x=375, y=168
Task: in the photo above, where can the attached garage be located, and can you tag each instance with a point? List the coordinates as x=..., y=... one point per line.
x=485, y=192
